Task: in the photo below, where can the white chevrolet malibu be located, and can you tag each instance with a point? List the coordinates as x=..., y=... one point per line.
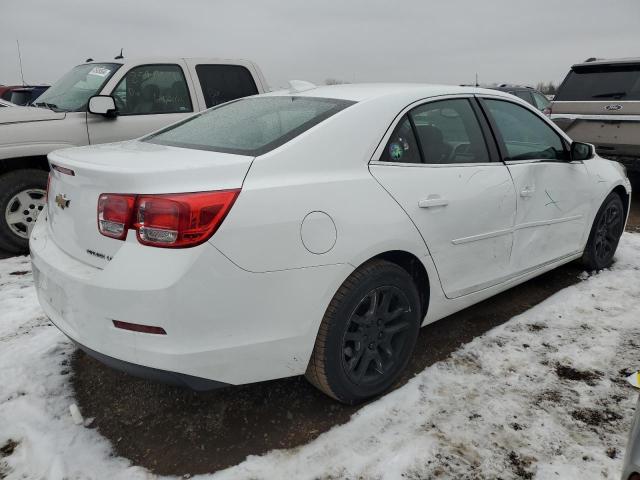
x=313, y=231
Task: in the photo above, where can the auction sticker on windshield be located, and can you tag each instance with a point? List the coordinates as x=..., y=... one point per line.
x=100, y=71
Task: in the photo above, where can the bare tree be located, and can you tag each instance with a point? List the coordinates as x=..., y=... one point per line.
x=548, y=88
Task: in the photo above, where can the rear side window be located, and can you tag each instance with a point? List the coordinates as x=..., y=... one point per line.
x=402, y=146
x=526, y=96
x=223, y=83
x=540, y=101
x=525, y=135
x=249, y=126
x=605, y=82
x=449, y=132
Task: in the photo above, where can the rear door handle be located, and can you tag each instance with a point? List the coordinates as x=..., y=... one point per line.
x=527, y=191
x=433, y=201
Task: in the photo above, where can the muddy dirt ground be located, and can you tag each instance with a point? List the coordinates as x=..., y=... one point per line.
x=176, y=431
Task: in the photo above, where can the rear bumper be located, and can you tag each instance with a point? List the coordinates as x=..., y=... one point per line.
x=162, y=376
x=616, y=137
x=222, y=323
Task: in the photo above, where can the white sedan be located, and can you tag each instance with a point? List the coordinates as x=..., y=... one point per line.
x=313, y=231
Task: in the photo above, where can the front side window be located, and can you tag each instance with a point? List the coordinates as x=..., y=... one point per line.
x=223, y=83
x=72, y=92
x=249, y=126
x=153, y=89
x=449, y=132
x=525, y=135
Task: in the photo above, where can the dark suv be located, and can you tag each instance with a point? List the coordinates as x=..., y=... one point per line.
x=599, y=102
x=529, y=95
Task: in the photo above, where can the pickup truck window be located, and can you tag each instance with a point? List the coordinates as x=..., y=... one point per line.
x=223, y=83
x=153, y=89
x=249, y=126
x=72, y=92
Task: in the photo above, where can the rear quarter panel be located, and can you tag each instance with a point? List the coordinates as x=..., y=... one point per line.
x=326, y=170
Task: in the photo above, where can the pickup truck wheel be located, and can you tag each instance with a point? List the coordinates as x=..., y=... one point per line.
x=22, y=198
x=367, y=334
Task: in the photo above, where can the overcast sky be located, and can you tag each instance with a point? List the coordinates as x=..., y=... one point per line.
x=353, y=40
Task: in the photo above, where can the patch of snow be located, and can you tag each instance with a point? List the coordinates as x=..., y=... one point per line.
x=542, y=396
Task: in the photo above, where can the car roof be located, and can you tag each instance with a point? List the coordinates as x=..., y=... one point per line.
x=150, y=60
x=610, y=61
x=358, y=92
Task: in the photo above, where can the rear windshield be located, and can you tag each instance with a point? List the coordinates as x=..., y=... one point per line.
x=249, y=126
x=606, y=82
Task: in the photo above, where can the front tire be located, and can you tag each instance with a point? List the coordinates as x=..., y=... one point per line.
x=22, y=198
x=367, y=334
x=605, y=234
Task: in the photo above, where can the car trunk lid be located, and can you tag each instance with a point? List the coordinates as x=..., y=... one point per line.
x=80, y=175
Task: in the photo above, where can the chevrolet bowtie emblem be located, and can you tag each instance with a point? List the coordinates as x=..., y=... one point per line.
x=62, y=201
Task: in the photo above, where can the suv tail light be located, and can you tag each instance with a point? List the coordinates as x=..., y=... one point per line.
x=167, y=220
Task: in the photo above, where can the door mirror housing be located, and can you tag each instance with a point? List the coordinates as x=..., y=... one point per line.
x=581, y=151
x=103, y=105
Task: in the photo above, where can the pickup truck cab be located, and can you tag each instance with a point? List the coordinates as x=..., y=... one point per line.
x=130, y=98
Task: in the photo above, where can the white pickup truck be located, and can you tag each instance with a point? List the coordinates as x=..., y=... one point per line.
x=99, y=102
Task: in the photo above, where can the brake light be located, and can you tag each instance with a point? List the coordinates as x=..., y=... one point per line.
x=166, y=220
x=114, y=214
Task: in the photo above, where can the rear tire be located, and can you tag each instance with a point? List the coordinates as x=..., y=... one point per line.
x=368, y=333
x=22, y=197
x=605, y=234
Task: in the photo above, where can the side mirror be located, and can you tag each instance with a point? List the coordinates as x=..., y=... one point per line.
x=103, y=105
x=581, y=151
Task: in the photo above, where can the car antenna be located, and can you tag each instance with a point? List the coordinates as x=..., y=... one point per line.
x=477, y=80
x=119, y=57
x=20, y=60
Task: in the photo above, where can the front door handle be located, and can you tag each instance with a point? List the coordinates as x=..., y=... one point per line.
x=527, y=192
x=433, y=201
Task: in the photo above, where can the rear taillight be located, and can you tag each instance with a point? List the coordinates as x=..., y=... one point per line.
x=114, y=214
x=167, y=220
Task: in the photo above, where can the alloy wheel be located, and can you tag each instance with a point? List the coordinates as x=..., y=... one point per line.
x=608, y=232
x=376, y=334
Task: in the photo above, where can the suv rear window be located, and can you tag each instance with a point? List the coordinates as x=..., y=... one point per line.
x=249, y=126
x=601, y=82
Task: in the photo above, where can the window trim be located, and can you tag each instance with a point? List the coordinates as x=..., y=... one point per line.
x=566, y=142
x=184, y=77
x=470, y=97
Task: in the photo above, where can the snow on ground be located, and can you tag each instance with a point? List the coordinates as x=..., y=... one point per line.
x=542, y=396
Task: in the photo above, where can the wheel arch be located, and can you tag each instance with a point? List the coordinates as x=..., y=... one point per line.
x=415, y=268
x=39, y=162
x=624, y=196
